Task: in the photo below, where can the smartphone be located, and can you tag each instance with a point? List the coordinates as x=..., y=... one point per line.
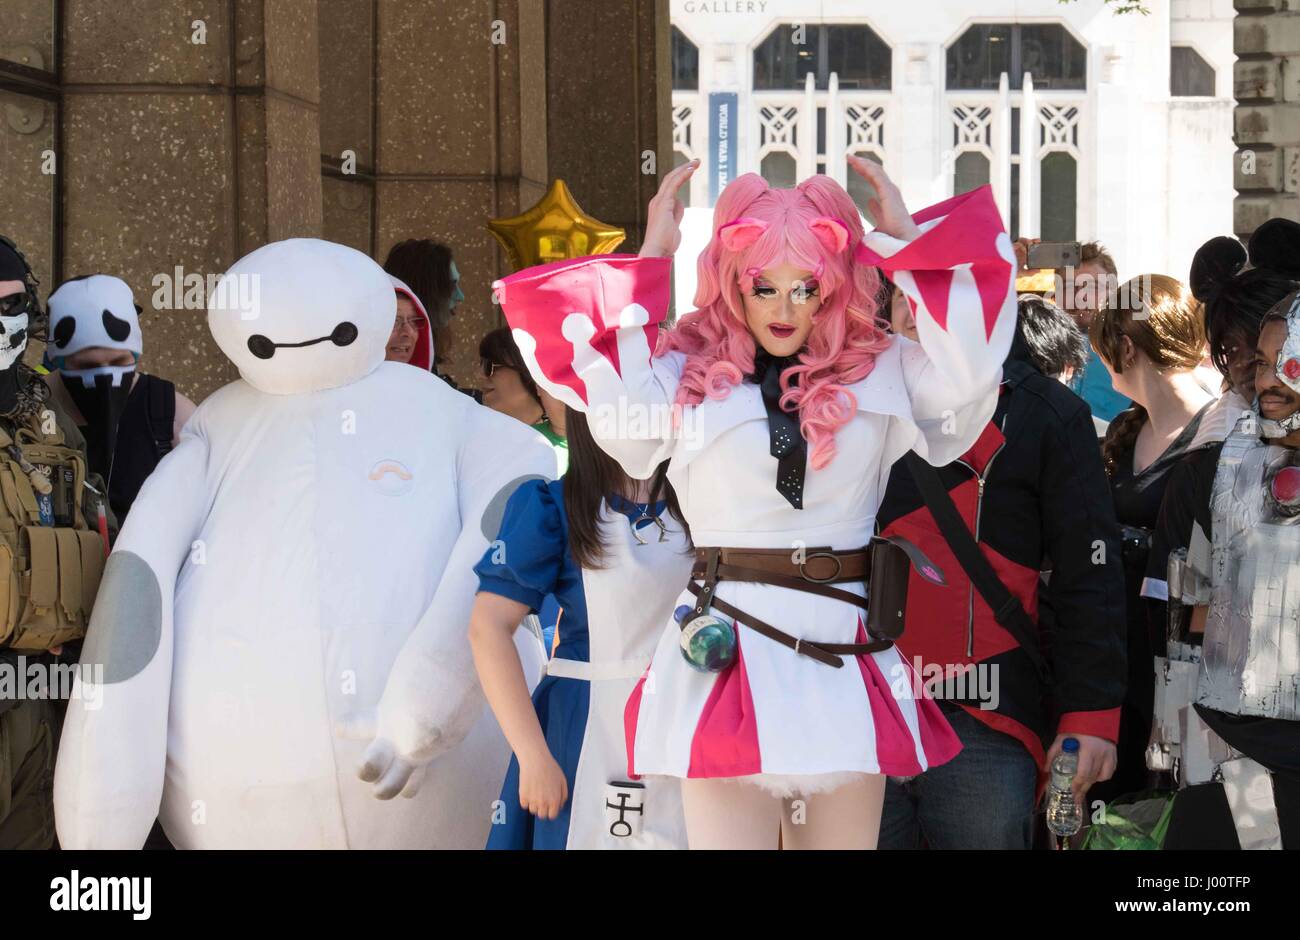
x=1054, y=255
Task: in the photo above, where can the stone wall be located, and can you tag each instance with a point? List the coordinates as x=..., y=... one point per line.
x=193, y=133
x=190, y=138
x=472, y=108
x=1267, y=80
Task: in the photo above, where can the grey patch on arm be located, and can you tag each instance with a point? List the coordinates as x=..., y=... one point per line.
x=495, y=510
x=126, y=625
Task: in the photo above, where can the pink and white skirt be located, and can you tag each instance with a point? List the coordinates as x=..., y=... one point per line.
x=780, y=720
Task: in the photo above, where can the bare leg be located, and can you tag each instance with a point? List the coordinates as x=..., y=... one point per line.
x=847, y=817
x=728, y=814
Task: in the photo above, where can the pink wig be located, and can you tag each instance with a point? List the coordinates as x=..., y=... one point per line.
x=847, y=332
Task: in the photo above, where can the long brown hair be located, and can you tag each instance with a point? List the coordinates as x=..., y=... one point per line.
x=1162, y=318
x=592, y=475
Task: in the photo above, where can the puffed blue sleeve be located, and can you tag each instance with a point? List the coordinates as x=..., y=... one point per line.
x=524, y=561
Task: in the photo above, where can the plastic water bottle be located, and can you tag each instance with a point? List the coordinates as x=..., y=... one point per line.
x=1064, y=815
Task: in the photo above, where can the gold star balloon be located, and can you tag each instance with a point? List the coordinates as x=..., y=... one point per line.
x=553, y=230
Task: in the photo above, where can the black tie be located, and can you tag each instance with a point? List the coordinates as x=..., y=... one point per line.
x=788, y=446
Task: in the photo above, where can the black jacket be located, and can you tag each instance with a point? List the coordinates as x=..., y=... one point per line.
x=1045, y=504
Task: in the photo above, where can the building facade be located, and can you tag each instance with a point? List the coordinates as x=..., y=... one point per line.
x=1088, y=124
x=1267, y=36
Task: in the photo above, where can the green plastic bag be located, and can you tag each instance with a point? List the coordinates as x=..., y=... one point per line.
x=1137, y=821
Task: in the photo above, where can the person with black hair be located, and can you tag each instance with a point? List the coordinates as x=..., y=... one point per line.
x=593, y=540
x=1047, y=336
x=1238, y=287
x=1033, y=495
x=507, y=387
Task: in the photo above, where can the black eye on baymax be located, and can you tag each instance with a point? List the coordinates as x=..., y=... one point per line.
x=344, y=334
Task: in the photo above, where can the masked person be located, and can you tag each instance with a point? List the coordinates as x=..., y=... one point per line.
x=50, y=554
x=1208, y=550
x=130, y=419
x=282, y=627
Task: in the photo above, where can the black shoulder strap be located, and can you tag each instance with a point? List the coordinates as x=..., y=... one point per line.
x=1007, y=610
x=161, y=405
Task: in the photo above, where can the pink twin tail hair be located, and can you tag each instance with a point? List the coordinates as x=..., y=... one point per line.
x=847, y=331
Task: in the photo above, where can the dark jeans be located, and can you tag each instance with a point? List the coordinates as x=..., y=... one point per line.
x=981, y=799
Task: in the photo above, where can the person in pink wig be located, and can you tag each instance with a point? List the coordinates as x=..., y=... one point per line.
x=781, y=403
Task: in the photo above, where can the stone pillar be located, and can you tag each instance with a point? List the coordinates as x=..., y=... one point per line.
x=448, y=139
x=29, y=124
x=479, y=105
x=1267, y=81
x=190, y=138
x=609, y=105
x=347, y=121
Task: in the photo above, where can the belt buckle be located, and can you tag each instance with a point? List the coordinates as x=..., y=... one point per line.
x=839, y=567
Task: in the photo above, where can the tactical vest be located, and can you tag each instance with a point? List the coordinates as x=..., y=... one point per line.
x=50, y=559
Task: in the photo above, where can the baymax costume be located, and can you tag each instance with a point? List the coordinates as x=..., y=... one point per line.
x=288, y=600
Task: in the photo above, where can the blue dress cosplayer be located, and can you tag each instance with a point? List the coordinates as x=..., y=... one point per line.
x=613, y=604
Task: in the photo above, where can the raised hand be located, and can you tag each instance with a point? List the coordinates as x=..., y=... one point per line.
x=585, y=371
x=887, y=208
x=663, y=222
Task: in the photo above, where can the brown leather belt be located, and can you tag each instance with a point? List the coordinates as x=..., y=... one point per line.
x=818, y=565
x=808, y=570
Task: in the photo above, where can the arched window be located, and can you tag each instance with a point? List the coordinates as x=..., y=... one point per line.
x=970, y=171
x=686, y=63
x=1059, y=175
x=1189, y=74
x=859, y=190
x=856, y=54
x=1047, y=51
x=779, y=169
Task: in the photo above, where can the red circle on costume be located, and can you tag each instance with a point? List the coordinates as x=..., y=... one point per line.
x=1291, y=368
x=1286, y=485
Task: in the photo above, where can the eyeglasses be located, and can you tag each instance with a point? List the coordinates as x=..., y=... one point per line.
x=488, y=366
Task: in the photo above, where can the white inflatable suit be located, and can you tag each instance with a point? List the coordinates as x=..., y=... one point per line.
x=285, y=609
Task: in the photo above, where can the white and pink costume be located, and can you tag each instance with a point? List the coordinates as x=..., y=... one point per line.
x=588, y=327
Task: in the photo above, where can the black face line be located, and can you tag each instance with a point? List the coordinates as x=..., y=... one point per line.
x=344, y=334
x=63, y=331
x=117, y=330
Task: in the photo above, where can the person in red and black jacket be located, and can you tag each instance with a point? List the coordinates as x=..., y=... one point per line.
x=1034, y=493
